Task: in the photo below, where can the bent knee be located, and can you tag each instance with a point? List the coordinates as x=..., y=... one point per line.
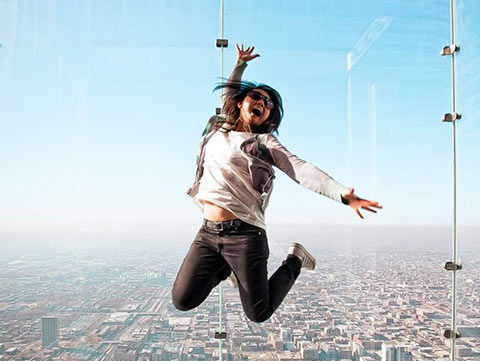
x=183, y=302
x=258, y=317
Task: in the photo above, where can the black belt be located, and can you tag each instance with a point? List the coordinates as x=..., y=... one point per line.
x=222, y=225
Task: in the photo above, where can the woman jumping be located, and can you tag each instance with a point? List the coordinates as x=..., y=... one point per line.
x=233, y=185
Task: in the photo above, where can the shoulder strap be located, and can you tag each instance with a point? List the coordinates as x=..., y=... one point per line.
x=213, y=120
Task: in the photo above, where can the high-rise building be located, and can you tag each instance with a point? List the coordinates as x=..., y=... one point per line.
x=49, y=332
x=402, y=354
x=388, y=352
x=286, y=334
x=395, y=353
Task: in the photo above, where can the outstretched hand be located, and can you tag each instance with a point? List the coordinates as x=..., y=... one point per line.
x=357, y=202
x=245, y=55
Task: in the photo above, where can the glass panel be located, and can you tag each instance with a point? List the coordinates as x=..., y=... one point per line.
x=100, y=102
x=375, y=125
x=468, y=168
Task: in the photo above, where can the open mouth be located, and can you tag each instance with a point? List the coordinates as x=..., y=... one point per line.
x=257, y=110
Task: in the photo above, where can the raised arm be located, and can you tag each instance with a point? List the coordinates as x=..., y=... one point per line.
x=243, y=56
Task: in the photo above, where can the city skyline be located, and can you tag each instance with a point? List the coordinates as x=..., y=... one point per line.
x=118, y=306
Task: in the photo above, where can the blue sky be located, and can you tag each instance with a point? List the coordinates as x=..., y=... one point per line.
x=102, y=105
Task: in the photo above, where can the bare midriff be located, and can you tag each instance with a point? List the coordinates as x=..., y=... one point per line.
x=215, y=213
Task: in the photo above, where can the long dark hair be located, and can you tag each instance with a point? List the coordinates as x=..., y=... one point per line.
x=236, y=91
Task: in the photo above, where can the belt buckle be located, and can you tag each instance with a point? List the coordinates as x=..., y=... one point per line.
x=218, y=224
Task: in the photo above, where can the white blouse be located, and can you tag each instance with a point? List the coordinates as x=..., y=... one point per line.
x=226, y=179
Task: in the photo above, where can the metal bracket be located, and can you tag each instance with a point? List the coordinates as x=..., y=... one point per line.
x=451, y=266
x=218, y=111
x=450, y=334
x=220, y=335
x=450, y=49
x=222, y=43
x=451, y=117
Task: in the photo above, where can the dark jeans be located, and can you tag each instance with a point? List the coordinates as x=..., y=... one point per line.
x=244, y=251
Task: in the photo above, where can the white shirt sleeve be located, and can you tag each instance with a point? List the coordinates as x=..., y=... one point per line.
x=304, y=173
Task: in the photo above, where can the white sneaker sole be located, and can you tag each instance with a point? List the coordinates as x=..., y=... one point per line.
x=232, y=279
x=308, y=254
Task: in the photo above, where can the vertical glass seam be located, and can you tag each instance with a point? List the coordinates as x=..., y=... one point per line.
x=454, y=156
x=220, y=291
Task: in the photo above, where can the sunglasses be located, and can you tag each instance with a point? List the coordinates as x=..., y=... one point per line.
x=257, y=96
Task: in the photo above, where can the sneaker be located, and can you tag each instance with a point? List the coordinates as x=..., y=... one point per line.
x=232, y=279
x=308, y=261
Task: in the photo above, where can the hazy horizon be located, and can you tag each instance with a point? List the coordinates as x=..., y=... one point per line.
x=326, y=238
